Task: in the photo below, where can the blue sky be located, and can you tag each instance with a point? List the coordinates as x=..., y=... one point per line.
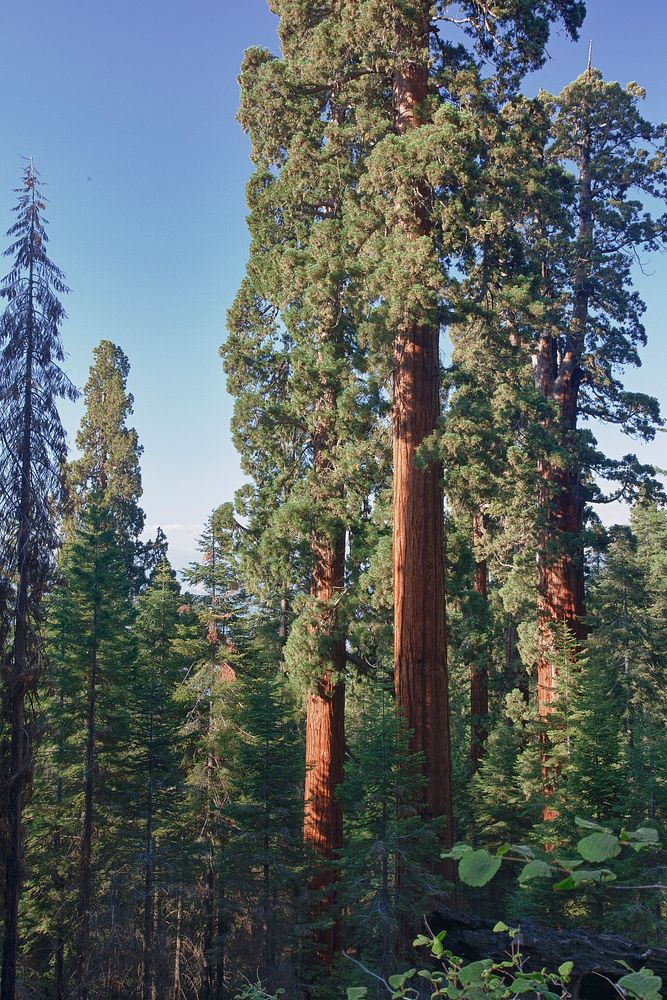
x=129, y=112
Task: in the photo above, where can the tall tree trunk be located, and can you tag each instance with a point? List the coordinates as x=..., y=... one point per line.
x=176, y=987
x=59, y=886
x=149, y=889
x=325, y=737
x=208, y=983
x=19, y=679
x=479, y=681
x=561, y=596
x=85, y=871
x=420, y=653
x=19, y=769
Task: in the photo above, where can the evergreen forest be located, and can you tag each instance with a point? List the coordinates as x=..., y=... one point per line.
x=400, y=729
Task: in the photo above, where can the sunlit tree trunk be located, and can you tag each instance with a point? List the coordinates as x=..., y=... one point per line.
x=561, y=596
x=420, y=655
x=325, y=736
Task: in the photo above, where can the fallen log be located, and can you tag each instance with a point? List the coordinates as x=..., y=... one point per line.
x=594, y=955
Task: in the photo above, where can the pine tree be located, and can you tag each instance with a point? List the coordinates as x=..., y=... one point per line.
x=98, y=573
x=31, y=453
x=110, y=451
x=387, y=879
x=207, y=691
x=264, y=856
x=156, y=722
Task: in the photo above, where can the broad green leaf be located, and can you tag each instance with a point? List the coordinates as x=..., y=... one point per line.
x=420, y=941
x=500, y=927
x=586, y=824
x=565, y=884
x=456, y=852
x=469, y=973
x=398, y=981
x=644, y=835
x=523, y=851
x=642, y=985
x=478, y=867
x=524, y=986
x=535, y=869
x=599, y=847
x=593, y=875
x=565, y=970
x=357, y=993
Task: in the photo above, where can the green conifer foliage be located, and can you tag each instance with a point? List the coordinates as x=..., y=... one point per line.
x=618, y=164
x=32, y=449
x=387, y=879
x=210, y=637
x=80, y=844
x=263, y=856
x=110, y=450
x=306, y=406
x=158, y=756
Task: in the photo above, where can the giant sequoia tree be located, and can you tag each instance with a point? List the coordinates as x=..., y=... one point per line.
x=32, y=449
x=618, y=161
x=304, y=402
x=416, y=190
x=361, y=153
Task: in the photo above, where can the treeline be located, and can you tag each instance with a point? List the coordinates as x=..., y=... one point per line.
x=410, y=627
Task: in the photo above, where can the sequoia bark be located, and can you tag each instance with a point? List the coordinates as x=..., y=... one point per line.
x=420, y=654
x=325, y=737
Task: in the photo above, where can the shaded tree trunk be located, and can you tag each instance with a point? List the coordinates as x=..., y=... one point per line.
x=479, y=682
x=19, y=679
x=149, y=889
x=420, y=655
x=176, y=987
x=85, y=870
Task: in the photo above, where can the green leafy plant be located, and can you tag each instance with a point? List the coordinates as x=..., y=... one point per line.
x=501, y=980
x=476, y=867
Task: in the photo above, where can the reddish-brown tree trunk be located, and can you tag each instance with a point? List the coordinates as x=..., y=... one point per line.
x=561, y=595
x=420, y=655
x=325, y=737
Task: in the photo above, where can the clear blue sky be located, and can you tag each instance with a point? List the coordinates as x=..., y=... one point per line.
x=128, y=109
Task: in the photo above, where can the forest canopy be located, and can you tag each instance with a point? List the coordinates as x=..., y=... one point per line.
x=400, y=729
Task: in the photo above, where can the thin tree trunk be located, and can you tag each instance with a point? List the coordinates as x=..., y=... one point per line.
x=479, y=681
x=19, y=680
x=420, y=654
x=85, y=877
x=19, y=767
x=149, y=899
x=209, y=930
x=176, y=990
